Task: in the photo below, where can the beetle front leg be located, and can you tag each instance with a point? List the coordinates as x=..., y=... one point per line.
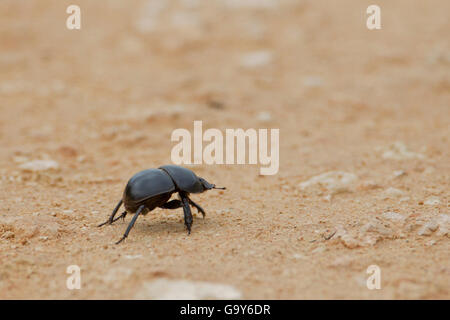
x=138, y=212
x=187, y=212
x=122, y=215
x=200, y=209
x=111, y=218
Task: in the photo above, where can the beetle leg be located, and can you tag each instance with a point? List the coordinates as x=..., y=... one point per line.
x=122, y=215
x=138, y=212
x=111, y=218
x=173, y=204
x=200, y=209
x=187, y=212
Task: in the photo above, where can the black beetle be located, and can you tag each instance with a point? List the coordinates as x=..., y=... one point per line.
x=152, y=188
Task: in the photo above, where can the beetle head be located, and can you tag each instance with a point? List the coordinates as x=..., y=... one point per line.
x=208, y=186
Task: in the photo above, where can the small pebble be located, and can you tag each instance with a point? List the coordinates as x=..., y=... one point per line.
x=39, y=165
x=256, y=59
x=335, y=181
x=393, y=193
x=264, y=116
x=390, y=215
x=298, y=256
x=132, y=257
x=399, y=173
x=431, y=201
x=428, y=228
x=399, y=151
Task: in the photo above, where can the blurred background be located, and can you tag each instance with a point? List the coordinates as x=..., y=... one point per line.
x=100, y=103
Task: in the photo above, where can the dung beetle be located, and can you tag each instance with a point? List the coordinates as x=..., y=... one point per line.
x=152, y=188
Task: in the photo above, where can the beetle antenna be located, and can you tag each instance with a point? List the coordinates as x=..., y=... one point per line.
x=221, y=188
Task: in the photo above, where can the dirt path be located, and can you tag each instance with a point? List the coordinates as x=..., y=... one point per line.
x=371, y=107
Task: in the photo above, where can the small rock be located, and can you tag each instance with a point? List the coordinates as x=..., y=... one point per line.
x=256, y=59
x=431, y=201
x=428, y=228
x=167, y=289
x=264, y=116
x=298, y=256
x=133, y=257
x=349, y=241
x=393, y=193
x=390, y=215
x=20, y=159
x=376, y=227
x=335, y=181
x=444, y=224
x=399, y=151
x=399, y=173
x=369, y=185
x=39, y=165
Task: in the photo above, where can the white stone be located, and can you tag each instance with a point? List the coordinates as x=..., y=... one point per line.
x=167, y=289
x=350, y=241
x=431, y=201
x=428, y=228
x=264, y=116
x=335, y=181
x=444, y=224
x=376, y=227
x=298, y=256
x=399, y=173
x=399, y=151
x=393, y=193
x=39, y=165
x=256, y=59
x=133, y=257
x=390, y=215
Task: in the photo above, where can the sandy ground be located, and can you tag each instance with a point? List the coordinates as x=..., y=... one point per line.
x=371, y=107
